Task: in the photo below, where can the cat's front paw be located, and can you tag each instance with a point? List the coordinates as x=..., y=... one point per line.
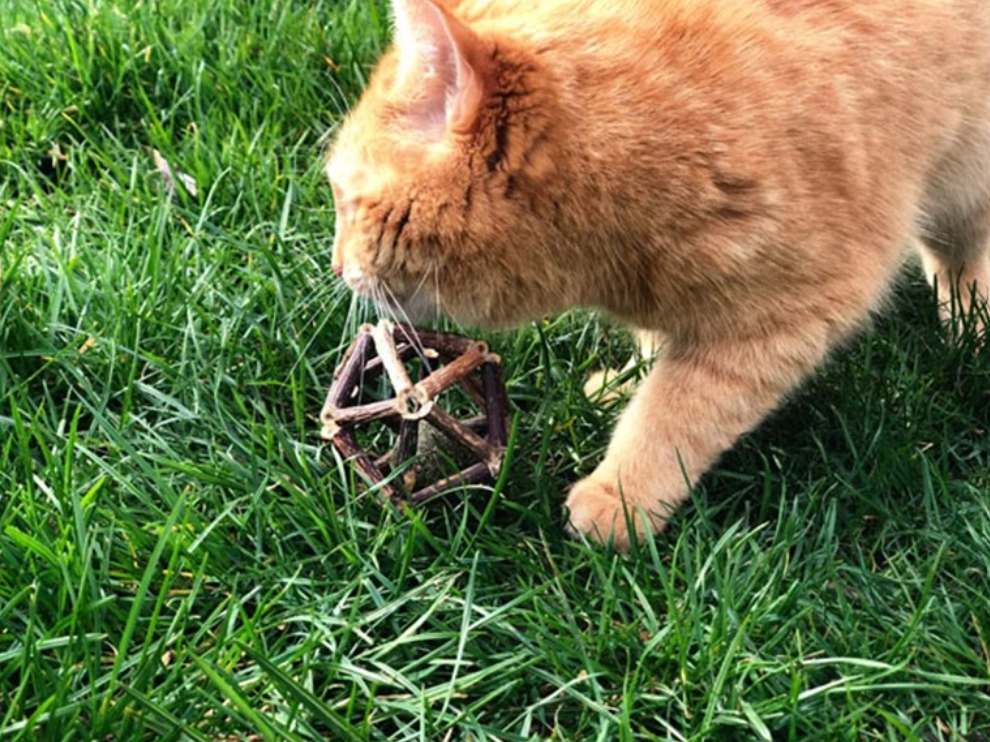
x=597, y=511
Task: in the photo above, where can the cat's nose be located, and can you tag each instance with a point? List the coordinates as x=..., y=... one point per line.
x=338, y=269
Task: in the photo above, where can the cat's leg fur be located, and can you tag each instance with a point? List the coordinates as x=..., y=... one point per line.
x=601, y=386
x=955, y=243
x=956, y=258
x=692, y=407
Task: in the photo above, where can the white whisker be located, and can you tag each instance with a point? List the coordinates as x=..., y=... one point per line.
x=412, y=335
x=419, y=287
x=436, y=291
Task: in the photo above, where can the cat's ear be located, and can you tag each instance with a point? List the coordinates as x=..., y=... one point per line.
x=443, y=61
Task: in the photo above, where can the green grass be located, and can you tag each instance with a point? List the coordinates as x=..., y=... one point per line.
x=182, y=559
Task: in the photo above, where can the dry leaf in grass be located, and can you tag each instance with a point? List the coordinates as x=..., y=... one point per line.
x=57, y=155
x=170, y=176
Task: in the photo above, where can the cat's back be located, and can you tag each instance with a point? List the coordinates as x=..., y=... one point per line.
x=838, y=98
x=603, y=26
x=647, y=14
x=632, y=57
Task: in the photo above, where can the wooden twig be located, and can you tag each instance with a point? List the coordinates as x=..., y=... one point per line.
x=460, y=435
x=476, y=474
x=383, y=335
x=411, y=401
x=345, y=383
x=347, y=444
x=364, y=413
x=444, y=343
x=375, y=365
x=408, y=443
x=405, y=449
x=444, y=378
x=496, y=404
x=349, y=375
x=473, y=389
x=477, y=425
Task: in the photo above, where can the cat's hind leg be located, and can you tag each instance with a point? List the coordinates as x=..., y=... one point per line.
x=955, y=241
x=956, y=258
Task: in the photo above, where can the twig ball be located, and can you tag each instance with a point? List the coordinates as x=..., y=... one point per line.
x=423, y=427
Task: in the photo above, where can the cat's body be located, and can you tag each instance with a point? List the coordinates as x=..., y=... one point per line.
x=742, y=177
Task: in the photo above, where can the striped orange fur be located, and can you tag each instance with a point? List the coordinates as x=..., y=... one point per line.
x=744, y=177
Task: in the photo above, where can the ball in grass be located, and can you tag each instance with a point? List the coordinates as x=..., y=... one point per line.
x=429, y=440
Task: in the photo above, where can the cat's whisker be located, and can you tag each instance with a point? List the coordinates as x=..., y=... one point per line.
x=364, y=311
x=419, y=286
x=318, y=313
x=439, y=305
x=382, y=303
x=436, y=292
x=393, y=301
x=412, y=335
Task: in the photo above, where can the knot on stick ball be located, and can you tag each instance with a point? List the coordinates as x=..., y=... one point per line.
x=428, y=438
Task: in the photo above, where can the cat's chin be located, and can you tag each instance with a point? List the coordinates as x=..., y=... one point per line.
x=422, y=307
x=428, y=311
x=416, y=310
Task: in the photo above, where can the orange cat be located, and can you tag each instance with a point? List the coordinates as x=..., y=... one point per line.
x=744, y=177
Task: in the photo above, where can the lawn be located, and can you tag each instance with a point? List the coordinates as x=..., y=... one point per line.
x=181, y=558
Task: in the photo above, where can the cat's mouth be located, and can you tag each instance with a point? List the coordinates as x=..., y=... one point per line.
x=401, y=297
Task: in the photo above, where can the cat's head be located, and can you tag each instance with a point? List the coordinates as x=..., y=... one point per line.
x=444, y=176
